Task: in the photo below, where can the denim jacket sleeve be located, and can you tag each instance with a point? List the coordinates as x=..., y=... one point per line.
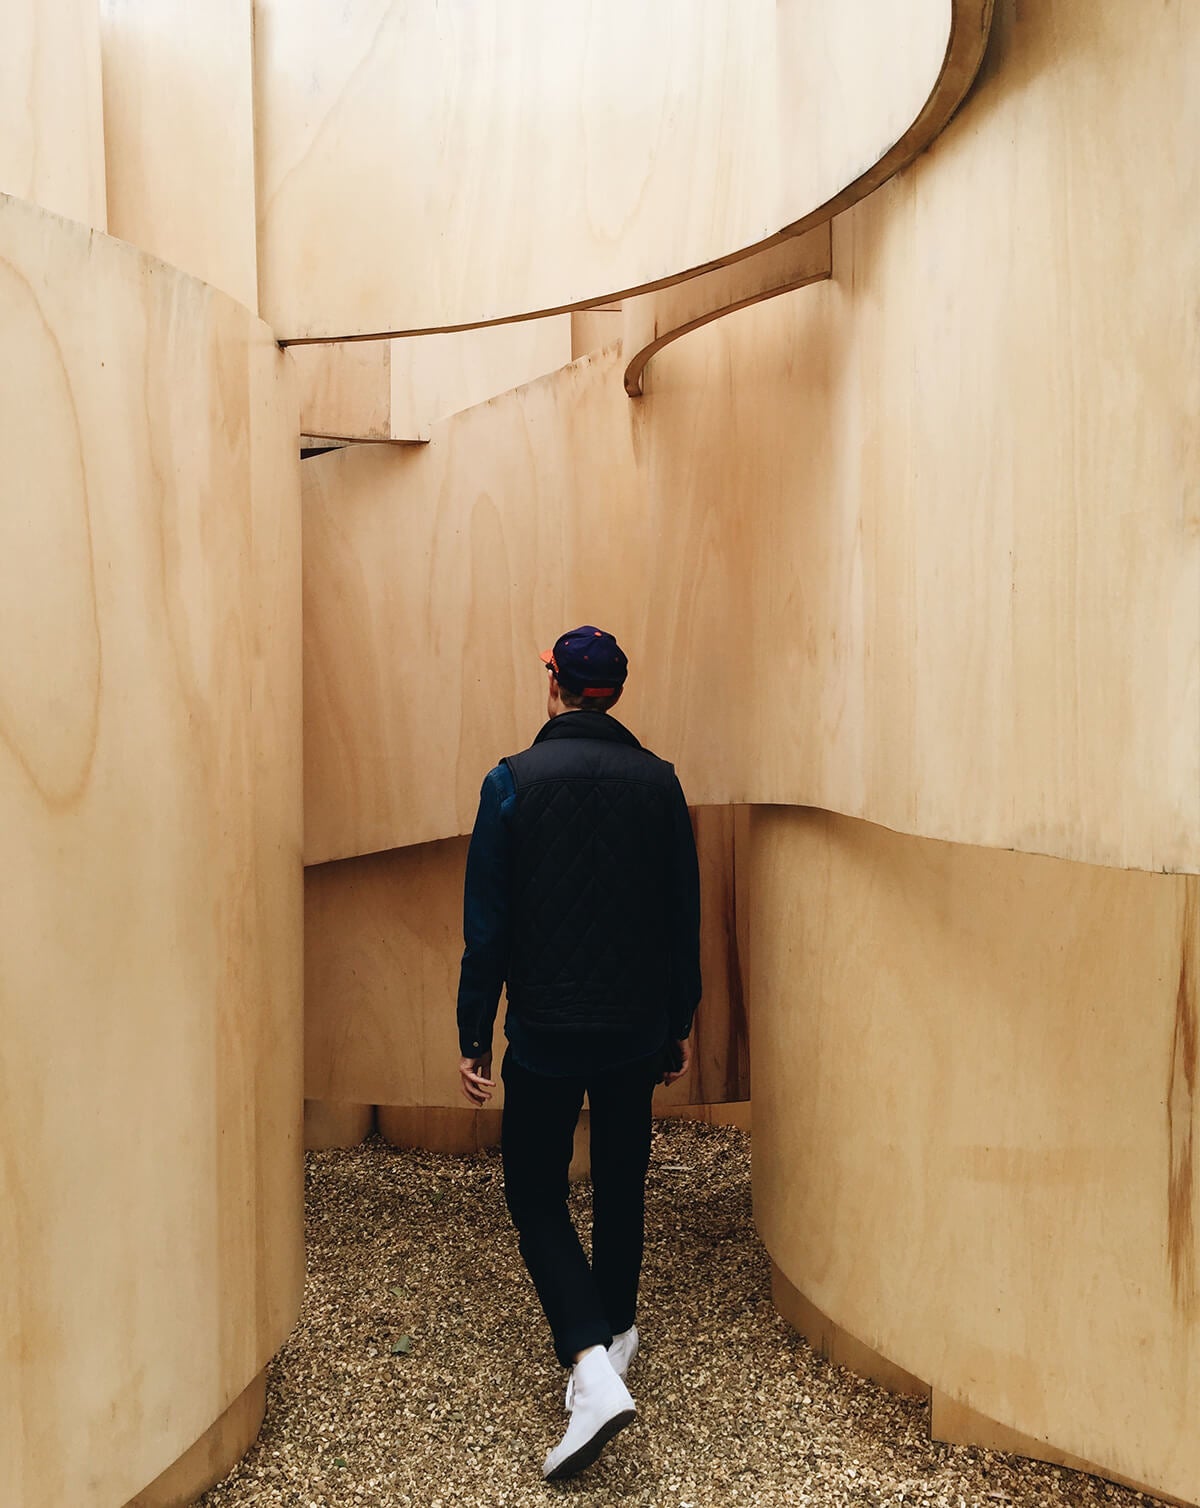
x=487, y=911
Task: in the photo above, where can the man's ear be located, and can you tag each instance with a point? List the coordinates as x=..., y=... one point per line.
x=616, y=696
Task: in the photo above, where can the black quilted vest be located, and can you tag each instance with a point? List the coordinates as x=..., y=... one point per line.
x=592, y=835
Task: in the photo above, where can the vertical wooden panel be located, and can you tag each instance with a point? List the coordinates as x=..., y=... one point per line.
x=150, y=910
x=434, y=578
x=179, y=135
x=51, y=120
x=974, y=1104
x=383, y=940
x=396, y=389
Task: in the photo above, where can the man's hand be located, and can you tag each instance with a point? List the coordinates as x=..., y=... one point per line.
x=685, y=1047
x=477, y=1084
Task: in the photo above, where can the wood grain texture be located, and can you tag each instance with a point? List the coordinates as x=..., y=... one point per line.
x=556, y=157
x=653, y=320
x=917, y=544
x=51, y=111
x=179, y=135
x=973, y=1122
x=150, y=911
x=383, y=943
x=434, y=578
x=986, y=552
x=396, y=389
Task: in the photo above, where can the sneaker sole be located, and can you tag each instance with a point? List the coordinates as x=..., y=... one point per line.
x=578, y=1460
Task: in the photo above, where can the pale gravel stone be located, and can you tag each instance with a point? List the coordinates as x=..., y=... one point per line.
x=734, y=1409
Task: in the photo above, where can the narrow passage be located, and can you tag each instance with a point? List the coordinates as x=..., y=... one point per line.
x=420, y=1374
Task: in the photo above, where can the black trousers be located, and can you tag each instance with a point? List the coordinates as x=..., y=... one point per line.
x=585, y=1303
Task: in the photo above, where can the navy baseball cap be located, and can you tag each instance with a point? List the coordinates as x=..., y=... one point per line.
x=588, y=662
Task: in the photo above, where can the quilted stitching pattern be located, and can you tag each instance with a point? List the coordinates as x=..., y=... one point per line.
x=589, y=897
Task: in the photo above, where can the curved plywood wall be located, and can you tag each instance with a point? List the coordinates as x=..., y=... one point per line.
x=917, y=545
x=913, y=544
x=554, y=156
x=973, y=1143
x=150, y=954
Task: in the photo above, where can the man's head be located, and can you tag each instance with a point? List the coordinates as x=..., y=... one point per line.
x=587, y=671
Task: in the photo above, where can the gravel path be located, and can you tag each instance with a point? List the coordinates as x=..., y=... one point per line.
x=420, y=1374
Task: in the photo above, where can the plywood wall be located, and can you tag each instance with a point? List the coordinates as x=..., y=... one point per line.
x=150, y=909
x=917, y=544
x=434, y=578
x=51, y=113
x=973, y=1112
x=179, y=135
x=980, y=576
x=396, y=389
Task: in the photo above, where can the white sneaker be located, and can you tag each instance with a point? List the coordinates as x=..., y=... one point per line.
x=621, y=1353
x=600, y=1407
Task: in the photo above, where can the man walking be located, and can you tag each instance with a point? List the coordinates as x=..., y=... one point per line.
x=583, y=898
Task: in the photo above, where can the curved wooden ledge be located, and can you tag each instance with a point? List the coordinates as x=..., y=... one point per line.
x=970, y=26
x=655, y=319
x=651, y=320
x=782, y=193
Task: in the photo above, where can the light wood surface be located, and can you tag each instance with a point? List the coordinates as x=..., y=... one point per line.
x=440, y=1128
x=551, y=154
x=959, y=1425
x=597, y=152
x=179, y=135
x=914, y=544
x=383, y=943
x=213, y=1456
x=336, y=1123
x=345, y=390
x=151, y=908
x=829, y=1339
x=974, y=1107
x=593, y=329
x=984, y=549
x=396, y=389
x=435, y=577
x=652, y=320
x=51, y=111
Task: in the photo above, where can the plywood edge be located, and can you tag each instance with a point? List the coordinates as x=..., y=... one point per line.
x=970, y=26
x=957, y=1423
x=828, y=1338
x=655, y=319
x=336, y=1123
x=214, y=1454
